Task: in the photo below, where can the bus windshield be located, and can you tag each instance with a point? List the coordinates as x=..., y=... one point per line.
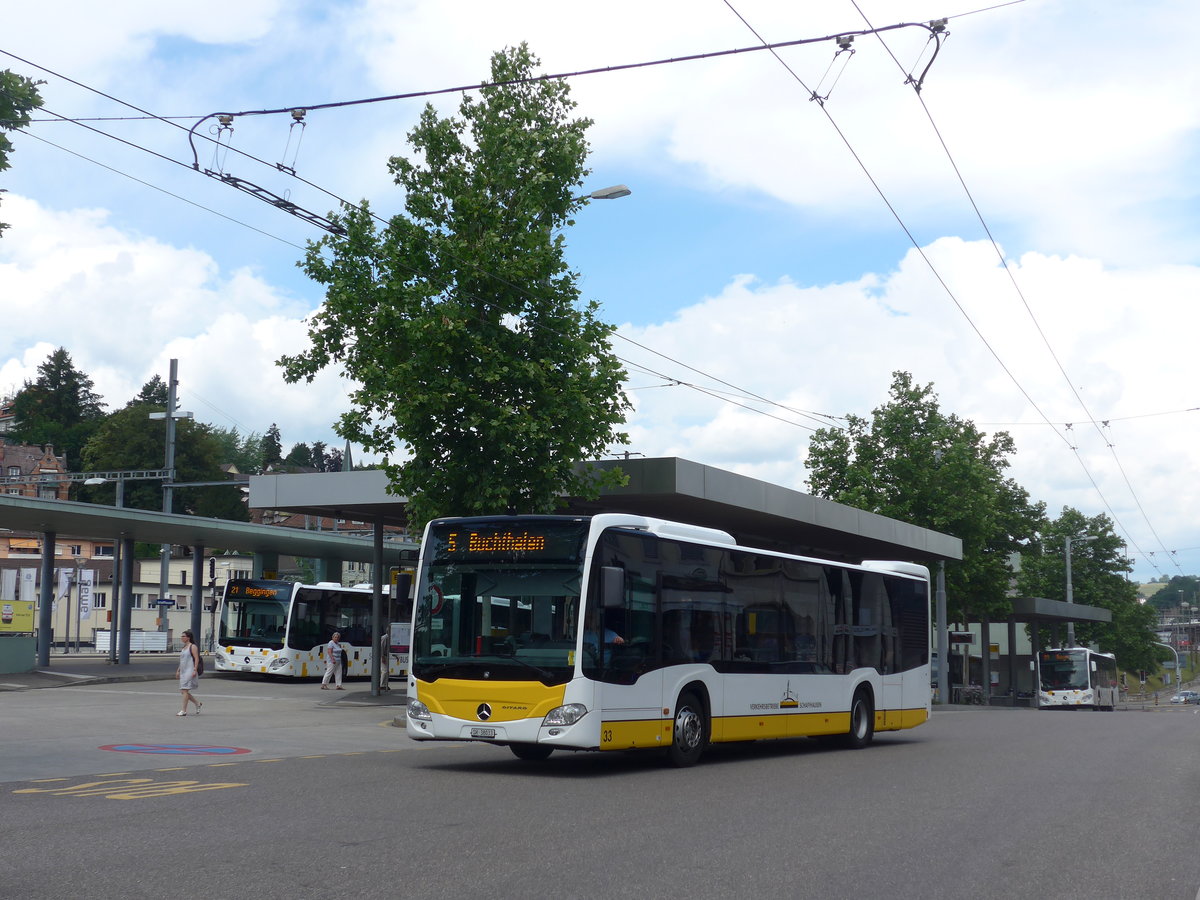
x=1063, y=670
x=519, y=623
x=488, y=607
x=254, y=622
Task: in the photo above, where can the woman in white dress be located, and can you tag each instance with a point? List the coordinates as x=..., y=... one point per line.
x=189, y=657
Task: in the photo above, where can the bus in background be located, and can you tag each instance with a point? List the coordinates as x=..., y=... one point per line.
x=1074, y=677
x=281, y=628
x=617, y=632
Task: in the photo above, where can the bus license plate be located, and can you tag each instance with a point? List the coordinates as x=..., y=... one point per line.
x=483, y=732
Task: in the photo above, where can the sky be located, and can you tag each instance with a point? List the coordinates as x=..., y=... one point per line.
x=1022, y=233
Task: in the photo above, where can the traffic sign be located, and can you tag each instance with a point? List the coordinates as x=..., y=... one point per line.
x=165, y=601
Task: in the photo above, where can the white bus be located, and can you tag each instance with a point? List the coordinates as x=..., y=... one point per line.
x=281, y=628
x=615, y=632
x=1074, y=677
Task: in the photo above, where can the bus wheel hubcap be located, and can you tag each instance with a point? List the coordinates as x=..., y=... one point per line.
x=687, y=728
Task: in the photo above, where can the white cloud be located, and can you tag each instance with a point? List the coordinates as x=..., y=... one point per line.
x=124, y=306
x=832, y=349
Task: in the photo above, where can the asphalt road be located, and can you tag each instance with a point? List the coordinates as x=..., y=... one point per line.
x=331, y=800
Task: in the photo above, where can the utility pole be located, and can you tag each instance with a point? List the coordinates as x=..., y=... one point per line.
x=171, y=414
x=1078, y=539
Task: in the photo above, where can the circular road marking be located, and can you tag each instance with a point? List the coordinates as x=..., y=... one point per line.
x=177, y=749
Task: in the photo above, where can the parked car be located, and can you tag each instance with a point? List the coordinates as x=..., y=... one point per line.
x=1186, y=697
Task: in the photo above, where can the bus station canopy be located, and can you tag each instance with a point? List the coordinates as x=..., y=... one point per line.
x=1039, y=610
x=67, y=518
x=755, y=512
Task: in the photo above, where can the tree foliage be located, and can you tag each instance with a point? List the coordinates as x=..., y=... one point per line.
x=913, y=462
x=243, y=452
x=59, y=407
x=460, y=321
x=1098, y=578
x=154, y=391
x=1178, y=589
x=18, y=98
x=127, y=439
x=272, y=448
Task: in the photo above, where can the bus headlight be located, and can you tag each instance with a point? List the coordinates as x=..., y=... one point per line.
x=418, y=710
x=565, y=715
x=279, y=662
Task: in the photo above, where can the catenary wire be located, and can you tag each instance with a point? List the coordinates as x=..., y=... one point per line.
x=1091, y=418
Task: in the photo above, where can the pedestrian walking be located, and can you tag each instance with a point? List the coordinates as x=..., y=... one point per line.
x=333, y=662
x=188, y=672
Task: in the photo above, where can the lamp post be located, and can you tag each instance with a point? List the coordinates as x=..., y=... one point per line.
x=1184, y=630
x=1077, y=539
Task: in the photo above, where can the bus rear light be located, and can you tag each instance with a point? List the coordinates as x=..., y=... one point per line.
x=565, y=715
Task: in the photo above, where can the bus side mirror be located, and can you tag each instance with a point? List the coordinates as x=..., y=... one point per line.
x=612, y=587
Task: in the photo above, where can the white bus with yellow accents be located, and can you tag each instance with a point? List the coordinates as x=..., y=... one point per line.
x=619, y=632
x=281, y=628
x=1077, y=677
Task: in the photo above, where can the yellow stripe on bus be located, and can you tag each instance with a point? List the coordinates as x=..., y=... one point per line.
x=627, y=735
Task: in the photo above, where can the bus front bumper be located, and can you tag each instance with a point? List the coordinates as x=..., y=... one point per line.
x=423, y=725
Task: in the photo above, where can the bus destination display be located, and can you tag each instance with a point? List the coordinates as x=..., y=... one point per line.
x=549, y=543
x=257, y=590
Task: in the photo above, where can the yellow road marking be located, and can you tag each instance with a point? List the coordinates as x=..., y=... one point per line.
x=130, y=788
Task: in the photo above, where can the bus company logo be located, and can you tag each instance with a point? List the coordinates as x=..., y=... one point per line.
x=789, y=699
x=483, y=711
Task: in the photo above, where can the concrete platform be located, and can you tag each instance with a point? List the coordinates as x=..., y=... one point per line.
x=71, y=669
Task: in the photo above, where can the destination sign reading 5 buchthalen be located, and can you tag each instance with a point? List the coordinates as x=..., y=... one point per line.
x=556, y=541
x=494, y=542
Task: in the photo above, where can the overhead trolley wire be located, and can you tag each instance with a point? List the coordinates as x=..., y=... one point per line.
x=936, y=36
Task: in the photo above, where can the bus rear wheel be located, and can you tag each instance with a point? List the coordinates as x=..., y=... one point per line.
x=690, y=735
x=531, y=752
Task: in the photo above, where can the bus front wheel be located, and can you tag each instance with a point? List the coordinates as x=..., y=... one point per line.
x=862, y=722
x=690, y=735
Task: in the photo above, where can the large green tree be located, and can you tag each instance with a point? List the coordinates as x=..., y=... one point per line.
x=59, y=407
x=912, y=461
x=18, y=98
x=1099, y=571
x=461, y=323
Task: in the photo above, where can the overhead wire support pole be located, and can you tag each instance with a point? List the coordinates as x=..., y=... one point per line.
x=170, y=414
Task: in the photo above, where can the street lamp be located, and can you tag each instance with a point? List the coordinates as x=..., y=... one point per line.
x=608, y=193
x=1077, y=539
